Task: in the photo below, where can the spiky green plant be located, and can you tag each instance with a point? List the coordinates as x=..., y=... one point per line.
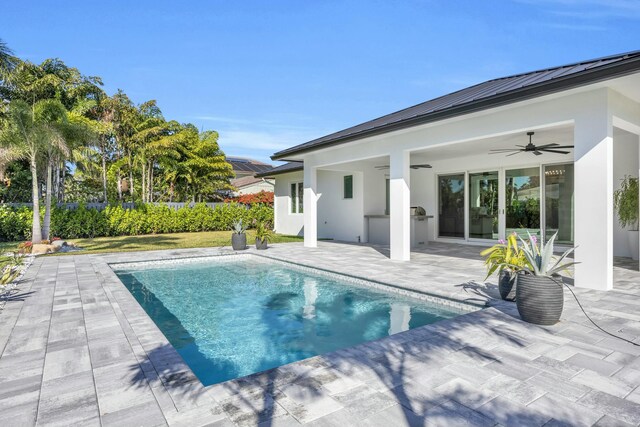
x=540, y=258
x=238, y=227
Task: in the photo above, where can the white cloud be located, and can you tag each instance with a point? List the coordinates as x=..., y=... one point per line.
x=590, y=9
x=258, y=138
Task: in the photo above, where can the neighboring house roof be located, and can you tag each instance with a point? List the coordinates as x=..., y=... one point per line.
x=286, y=168
x=482, y=96
x=241, y=164
x=245, y=181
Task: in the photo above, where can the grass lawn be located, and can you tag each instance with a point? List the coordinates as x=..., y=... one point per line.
x=157, y=241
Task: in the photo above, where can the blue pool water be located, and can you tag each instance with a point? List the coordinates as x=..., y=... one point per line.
x=236, y=316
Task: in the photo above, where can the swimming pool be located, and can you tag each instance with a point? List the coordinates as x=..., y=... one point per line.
x=231, y=316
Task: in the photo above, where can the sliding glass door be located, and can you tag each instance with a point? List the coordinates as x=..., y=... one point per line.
x=483, y=205
x=522, y=199
x=558, y=202
x=451, y=205
x=491, y=205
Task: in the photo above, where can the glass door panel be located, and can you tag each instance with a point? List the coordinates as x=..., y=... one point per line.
x=522, y=201
x=451, y=205
x=558, y=202
x=483, y=205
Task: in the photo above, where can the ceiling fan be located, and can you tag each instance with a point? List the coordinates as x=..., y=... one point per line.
x=424, y=166
x=530, y=148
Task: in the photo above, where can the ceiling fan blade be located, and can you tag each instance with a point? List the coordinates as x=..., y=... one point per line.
x=537, y=153
x=546, y=145
x=513, y=154
x=563, y=146
x=499, y=150
x=554, y=151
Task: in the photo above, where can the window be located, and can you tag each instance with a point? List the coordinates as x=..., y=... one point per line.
x=348, y=187
x=387, y=206
x=297, y=197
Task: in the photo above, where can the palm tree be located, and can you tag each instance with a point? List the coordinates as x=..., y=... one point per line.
x=7, y=60
x=70, y=129
x=25, y=134
x=207, y=169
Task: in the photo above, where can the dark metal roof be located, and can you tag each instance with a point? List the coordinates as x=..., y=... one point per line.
x=286, y=168
x=482, y=96
x=240, y=164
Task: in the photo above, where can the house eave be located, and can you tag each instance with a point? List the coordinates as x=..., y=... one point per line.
x=584, y=78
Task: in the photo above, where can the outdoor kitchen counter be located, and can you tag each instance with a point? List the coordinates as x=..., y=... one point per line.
x=377, y=227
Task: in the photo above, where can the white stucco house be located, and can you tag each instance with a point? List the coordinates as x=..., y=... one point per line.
x=252, y=185
x=450, y=156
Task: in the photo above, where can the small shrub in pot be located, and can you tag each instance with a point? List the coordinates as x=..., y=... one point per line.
x=263, y=235
x=540, y=296
x=506, y=258
x=239, y=236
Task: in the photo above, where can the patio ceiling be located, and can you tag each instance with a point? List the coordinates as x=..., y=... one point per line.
x=559, y=134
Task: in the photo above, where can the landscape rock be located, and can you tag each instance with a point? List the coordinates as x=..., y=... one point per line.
x=41, y=249
x=59, y=243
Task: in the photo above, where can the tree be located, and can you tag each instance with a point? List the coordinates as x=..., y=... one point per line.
x=7, y=60
x=207, y=171
x=26, y=131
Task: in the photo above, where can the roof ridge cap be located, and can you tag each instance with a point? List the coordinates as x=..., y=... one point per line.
x=624, y=55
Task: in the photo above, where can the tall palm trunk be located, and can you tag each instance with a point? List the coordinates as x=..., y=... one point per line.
x=150, y=194
x=143, y=188
x=46, y=227
x=104, y=178
x=119, y=187
x=62, y=182
x=130, y=176
x=36, y=231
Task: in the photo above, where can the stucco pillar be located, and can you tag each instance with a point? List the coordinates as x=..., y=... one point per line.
x=593, y=153
x=400, y=201
x=399, y=318
x=310, y=204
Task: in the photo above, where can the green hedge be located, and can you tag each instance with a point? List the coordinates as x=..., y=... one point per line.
x=15, y=224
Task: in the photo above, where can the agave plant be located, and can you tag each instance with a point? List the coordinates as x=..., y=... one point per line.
x=540, y=258
x=11, y=270
x=238, y=227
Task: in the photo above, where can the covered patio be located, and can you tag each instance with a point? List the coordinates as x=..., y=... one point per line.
x=476, y=194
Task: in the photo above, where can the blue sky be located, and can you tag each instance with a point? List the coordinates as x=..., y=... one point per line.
x=270, y=74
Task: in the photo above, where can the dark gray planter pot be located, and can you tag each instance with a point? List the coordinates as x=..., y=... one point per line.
x=238, y=241
x=261, y=244
x=507, y=283
x=540, y=299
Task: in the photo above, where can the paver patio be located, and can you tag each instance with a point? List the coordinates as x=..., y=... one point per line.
x=78, y=349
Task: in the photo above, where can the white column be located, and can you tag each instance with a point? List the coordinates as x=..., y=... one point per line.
x=310, y=203
x=593, y=153
x=400, y=201
x=399, y=318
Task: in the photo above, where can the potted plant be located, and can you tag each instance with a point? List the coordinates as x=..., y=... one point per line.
x=539, y=295
x=263, y=235
x=507, y=258
x=239, y=236
x=625, y=201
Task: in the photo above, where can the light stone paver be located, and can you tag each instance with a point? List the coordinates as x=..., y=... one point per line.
x=76, y=348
